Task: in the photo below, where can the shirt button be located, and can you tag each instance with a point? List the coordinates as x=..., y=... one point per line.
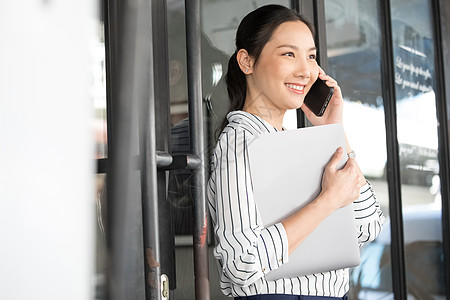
x=264, y=270
x=280, y=260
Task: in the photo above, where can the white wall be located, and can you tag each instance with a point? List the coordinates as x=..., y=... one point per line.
x=46, y=150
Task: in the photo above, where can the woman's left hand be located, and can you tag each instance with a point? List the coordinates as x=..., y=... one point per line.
x=334, y=112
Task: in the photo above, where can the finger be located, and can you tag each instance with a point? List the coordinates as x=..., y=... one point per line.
x=360, y=185
x=307, y=111
x=335, y=159
x=321, y=71
x=351, y=164
x=330, y=81
x=324, y=77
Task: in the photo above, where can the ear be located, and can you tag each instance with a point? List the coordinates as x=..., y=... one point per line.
x=245, y=61
x=175, y=71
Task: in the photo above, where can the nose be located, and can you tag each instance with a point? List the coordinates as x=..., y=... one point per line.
x=302, y=70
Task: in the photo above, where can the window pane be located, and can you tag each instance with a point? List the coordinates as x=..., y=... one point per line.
x=354, y=60
x=418, y=142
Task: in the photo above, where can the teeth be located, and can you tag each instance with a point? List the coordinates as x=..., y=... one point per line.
x=295, y=87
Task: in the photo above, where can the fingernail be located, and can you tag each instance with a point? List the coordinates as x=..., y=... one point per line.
x=340, y=150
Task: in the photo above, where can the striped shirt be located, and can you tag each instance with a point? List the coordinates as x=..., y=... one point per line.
x=245, y=249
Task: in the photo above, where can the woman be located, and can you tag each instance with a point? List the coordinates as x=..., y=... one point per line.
x=271, y=71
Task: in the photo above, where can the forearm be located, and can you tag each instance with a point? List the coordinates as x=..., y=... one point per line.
x=248, y=255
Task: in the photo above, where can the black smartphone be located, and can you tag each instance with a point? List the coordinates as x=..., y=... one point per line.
x=318, y=97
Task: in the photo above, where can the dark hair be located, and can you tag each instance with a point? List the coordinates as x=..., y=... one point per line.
x=253, y=33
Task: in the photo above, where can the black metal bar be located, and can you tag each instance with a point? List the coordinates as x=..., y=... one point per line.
x=124, y=281
x=321, y=34
x=144, y=90
x=306, y=8
x=314, y=11
x=102, y=165
x=299, y=7
x=180, y=162
x=393, y=160
x=150, y=209
x=193, y=45
x=443, y=121
x=110, y=24
x=444, y=6
x=110, y=52
x=162, y=121
x=164, y=161
x=295, y=5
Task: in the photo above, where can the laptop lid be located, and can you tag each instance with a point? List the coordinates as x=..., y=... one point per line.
x=287, y=170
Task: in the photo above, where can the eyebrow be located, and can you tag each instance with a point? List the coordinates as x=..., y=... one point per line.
x=295, y=47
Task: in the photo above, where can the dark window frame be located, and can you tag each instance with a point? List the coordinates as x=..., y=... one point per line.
x=441, y=35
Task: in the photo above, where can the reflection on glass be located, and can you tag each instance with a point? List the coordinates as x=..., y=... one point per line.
x=99, y=93
x=101, y=252
x=418, y=142
x=354, y=60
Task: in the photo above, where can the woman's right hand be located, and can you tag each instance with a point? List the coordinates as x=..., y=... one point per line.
x=334, y=112
x=340, y=187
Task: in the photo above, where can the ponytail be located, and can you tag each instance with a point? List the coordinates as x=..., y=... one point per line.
x=236, y=87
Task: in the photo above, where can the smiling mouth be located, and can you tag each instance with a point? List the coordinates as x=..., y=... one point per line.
x=295, y=88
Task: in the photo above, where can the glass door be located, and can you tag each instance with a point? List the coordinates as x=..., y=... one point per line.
x=415, y=82
x=354, y=41
x=354, y=60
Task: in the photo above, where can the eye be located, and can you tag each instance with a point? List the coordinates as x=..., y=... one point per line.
x=312, y=56
x=291, y=54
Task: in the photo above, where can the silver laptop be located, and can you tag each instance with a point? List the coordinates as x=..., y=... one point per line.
x=287, y=169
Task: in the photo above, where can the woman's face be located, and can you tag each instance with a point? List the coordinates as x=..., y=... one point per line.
x=286, y=68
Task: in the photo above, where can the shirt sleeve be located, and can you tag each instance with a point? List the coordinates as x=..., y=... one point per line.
x=369, y=218
x=245, y=248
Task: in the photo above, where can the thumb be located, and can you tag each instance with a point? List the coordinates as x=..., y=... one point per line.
x=306, y=110
x=309, y=114
x=335, y=159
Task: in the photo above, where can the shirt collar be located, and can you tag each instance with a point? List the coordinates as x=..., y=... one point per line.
x=246, y=118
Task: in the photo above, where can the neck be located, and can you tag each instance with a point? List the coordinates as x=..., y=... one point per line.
x=257, y=103
x=271, y=115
